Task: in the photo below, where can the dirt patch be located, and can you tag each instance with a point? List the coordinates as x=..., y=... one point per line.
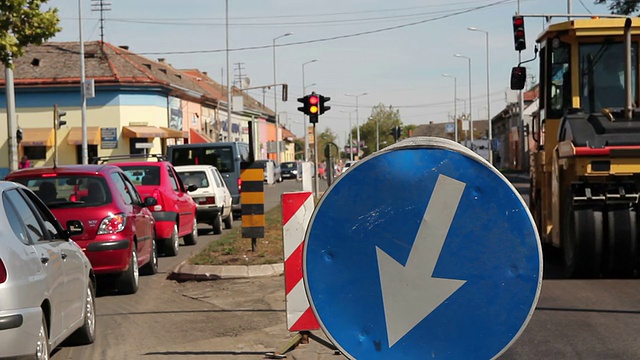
x=233, y=249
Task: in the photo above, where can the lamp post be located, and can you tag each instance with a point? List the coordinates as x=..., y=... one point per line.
x=486, y=33
x=350, y=134
x=357, y=121
x=455, y=104
x=275, y=97
x=304, y=118
x=377, y=134
x=470, y=116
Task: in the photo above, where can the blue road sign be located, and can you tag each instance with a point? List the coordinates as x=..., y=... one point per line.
x=422, y=250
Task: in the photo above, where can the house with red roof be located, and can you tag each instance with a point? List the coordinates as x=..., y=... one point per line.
x=140, y=105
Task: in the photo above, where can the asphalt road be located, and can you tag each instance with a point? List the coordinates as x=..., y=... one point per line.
x=244, y=319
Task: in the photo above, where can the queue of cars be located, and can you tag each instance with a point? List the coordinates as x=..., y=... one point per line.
x=120, y=213
x=115, y=216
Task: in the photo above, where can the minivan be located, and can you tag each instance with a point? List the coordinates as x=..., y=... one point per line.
x=224, y=156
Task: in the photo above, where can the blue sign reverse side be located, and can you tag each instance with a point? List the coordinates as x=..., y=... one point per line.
x=474, y=278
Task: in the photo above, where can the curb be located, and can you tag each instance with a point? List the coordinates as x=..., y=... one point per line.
x=186, y=272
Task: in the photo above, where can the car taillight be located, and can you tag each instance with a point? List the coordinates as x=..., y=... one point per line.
x=112, y=224
x=3, y=272
x=159, y=199
x=239, y=185
x=207, y=200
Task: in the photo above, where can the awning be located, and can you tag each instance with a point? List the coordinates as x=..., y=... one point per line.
x=175, y=134
x=37, y=137
x=143, y=132
x=75, y=135
x=198, y=137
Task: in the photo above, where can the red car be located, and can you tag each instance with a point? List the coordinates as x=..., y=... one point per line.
x=175, y=211
x=119, y=227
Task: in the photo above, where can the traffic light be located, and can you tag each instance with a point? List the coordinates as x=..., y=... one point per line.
x=518, y=77
x=304, y=100
x=57, y=115
x=19, y=135
x=518, y=33
x=323, y=106
x=396, y=131
x=313, y=106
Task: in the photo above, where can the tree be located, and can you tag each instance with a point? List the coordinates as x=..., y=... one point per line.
x=621, y=7
x=23, y=23
x=382, y=118
x=324, y=138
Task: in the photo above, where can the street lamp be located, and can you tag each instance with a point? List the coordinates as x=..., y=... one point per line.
x=486, y=33
x=350, y=134
x=455, y=103
x=304, y=118
x=470, y=117
x=357, y=120
x=275, y=97
x=377, y=134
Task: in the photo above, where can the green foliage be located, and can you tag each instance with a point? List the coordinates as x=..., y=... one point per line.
x=324, y=138
x=23, y=23
x=382, y=118
x=621, y=7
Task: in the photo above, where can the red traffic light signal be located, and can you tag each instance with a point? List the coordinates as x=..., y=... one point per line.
x=314, y=104
x=518, y=33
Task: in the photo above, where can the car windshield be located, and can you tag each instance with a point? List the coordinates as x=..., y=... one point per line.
x=64, y=191
x=288, y=165
x=142, y=174
x=220, y=157
x=198, y=178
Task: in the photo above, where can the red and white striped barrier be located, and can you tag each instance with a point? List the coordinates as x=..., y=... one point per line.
x=297, y=208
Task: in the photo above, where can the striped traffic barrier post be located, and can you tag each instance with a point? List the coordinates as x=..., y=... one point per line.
x=297, y=208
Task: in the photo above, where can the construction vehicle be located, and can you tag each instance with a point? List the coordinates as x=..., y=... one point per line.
x=585, y=161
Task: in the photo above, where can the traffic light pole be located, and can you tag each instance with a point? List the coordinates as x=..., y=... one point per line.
x=315, y=160
x=55, y=135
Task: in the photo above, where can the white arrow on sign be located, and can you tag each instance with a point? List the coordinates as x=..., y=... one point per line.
x=410, y=293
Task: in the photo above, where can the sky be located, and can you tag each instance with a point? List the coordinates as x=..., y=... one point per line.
x=394, y=52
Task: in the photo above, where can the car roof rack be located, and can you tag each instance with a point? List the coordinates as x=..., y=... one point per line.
x=106, y=159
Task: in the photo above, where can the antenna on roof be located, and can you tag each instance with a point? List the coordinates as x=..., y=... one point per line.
x=102, y=6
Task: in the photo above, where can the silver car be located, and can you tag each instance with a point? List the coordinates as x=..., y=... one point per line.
x=47, y=284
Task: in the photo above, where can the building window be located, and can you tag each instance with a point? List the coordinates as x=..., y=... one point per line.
x=35, y=152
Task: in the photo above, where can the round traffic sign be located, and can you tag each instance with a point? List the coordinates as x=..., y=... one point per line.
x=422, y=249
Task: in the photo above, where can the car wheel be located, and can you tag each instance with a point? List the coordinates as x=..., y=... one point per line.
x=151, y=267
x=192, y=238
x=42, y=344
x=228, y=221
x=87, y=333
x=217, y=224
x=173, y=243
x=130, y=279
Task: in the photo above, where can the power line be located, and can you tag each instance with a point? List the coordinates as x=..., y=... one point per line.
x=481, y=7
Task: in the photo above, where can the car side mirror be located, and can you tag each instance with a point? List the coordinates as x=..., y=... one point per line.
x=74, y=227
x=192, y=187
x=150, y=201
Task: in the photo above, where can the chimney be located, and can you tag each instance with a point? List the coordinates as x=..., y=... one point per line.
x=161, y=60
x=126, y=47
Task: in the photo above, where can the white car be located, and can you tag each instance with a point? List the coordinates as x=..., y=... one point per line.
x=47, y=284
x=213, y=199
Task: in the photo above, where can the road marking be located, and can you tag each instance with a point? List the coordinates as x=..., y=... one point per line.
x=410, y=292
